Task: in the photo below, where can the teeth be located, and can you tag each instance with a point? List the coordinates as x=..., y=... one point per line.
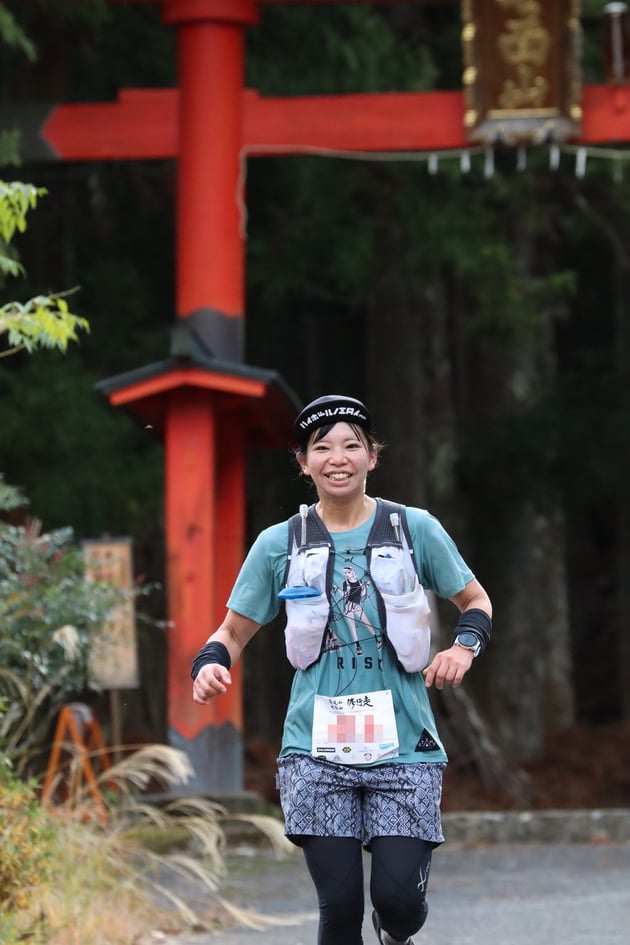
x=339, y=476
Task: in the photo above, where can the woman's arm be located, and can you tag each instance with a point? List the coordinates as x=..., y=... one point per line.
x=448, y=667
x=234, y=633
x=472, y=596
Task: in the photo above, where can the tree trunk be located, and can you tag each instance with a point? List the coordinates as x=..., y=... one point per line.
x=520, y=544
x=527, y=669
x=622, y=550
x=394, y=355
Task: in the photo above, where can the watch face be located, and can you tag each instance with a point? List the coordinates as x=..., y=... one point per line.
x=466, y=638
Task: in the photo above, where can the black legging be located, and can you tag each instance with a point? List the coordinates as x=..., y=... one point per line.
x=398, y=885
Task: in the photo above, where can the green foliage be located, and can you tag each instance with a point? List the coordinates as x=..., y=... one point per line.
x=42, y=322
x=46, y=320
x=103, y=473
x=10, y=497
x=27, y=844
x=16, y=199
x=361, y=47
x=13, y=35
x=103, y=47
x=49, y=611
x=10, y=140
x=394, y=220
x=43, y=588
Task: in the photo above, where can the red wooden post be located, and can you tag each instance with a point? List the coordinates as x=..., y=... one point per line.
x=210, y=263
x=189, y=441
x=204, y=506
x=230, y=529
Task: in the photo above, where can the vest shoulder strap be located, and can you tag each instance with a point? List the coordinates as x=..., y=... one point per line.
x=389, y=527
x=306, y=529
x=386, y=526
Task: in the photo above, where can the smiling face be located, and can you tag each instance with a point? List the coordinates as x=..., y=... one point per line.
x=338, y=462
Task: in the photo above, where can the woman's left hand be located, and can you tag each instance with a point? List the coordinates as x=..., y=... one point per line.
x=448, y=667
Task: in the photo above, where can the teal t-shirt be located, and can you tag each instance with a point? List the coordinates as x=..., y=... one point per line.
x=352, y=660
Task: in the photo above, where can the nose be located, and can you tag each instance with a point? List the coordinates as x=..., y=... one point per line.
x=337, y=455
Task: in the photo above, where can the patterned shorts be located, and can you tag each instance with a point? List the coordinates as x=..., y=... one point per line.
x=323, y=799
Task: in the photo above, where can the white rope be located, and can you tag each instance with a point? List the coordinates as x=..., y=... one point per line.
x=582, y=154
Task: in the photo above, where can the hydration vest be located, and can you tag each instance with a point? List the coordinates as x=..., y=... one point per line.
x=401, y=600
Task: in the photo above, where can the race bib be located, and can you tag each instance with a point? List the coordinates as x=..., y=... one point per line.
x=358, y=729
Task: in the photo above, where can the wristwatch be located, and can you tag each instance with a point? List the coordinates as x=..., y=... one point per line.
x=469, y=641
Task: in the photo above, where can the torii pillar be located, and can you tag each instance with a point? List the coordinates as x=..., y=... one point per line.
x=205, y=458
x=206, y=402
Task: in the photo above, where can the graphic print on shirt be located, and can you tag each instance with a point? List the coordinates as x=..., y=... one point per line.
x=348, y=605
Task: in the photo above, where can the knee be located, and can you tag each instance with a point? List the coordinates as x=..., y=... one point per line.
x=400, y=875
x=401, y=916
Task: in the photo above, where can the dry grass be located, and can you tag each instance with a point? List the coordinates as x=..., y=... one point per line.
x=107, y=879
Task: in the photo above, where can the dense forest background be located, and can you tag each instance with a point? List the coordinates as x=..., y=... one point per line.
x=485, y=319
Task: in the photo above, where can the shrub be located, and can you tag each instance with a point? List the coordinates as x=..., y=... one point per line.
x=27, y=837
x=49, y=613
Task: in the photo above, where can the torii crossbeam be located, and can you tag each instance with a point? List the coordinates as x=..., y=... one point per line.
x=143, y=123
x=202, y=399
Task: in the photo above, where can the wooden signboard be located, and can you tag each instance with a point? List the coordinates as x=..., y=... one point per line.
x=113, y=655
x=521, y=70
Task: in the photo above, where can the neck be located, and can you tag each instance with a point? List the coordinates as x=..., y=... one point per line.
x=344, y=515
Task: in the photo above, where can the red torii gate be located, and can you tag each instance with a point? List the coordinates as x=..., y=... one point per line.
x=203, y=400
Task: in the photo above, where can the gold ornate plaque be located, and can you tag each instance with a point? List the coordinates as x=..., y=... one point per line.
x=521, y=70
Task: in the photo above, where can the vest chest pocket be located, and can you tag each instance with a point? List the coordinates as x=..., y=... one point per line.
x=407, y=607
x=408, y=627
x=307, y=618
x=307, y=605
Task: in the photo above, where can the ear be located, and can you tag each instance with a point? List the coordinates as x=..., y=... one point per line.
x=373, y=461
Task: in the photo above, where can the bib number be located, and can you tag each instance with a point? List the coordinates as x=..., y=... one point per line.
x=358, y=729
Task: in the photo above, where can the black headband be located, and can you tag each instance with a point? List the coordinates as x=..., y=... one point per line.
x=333, y=408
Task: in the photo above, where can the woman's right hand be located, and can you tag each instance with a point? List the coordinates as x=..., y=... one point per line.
x=212, y=680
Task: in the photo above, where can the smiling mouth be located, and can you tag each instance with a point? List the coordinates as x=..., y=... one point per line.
x=338, y=477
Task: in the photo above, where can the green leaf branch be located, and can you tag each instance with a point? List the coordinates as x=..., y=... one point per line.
x=13, y=34
x=43, y=322
x=46, y=320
